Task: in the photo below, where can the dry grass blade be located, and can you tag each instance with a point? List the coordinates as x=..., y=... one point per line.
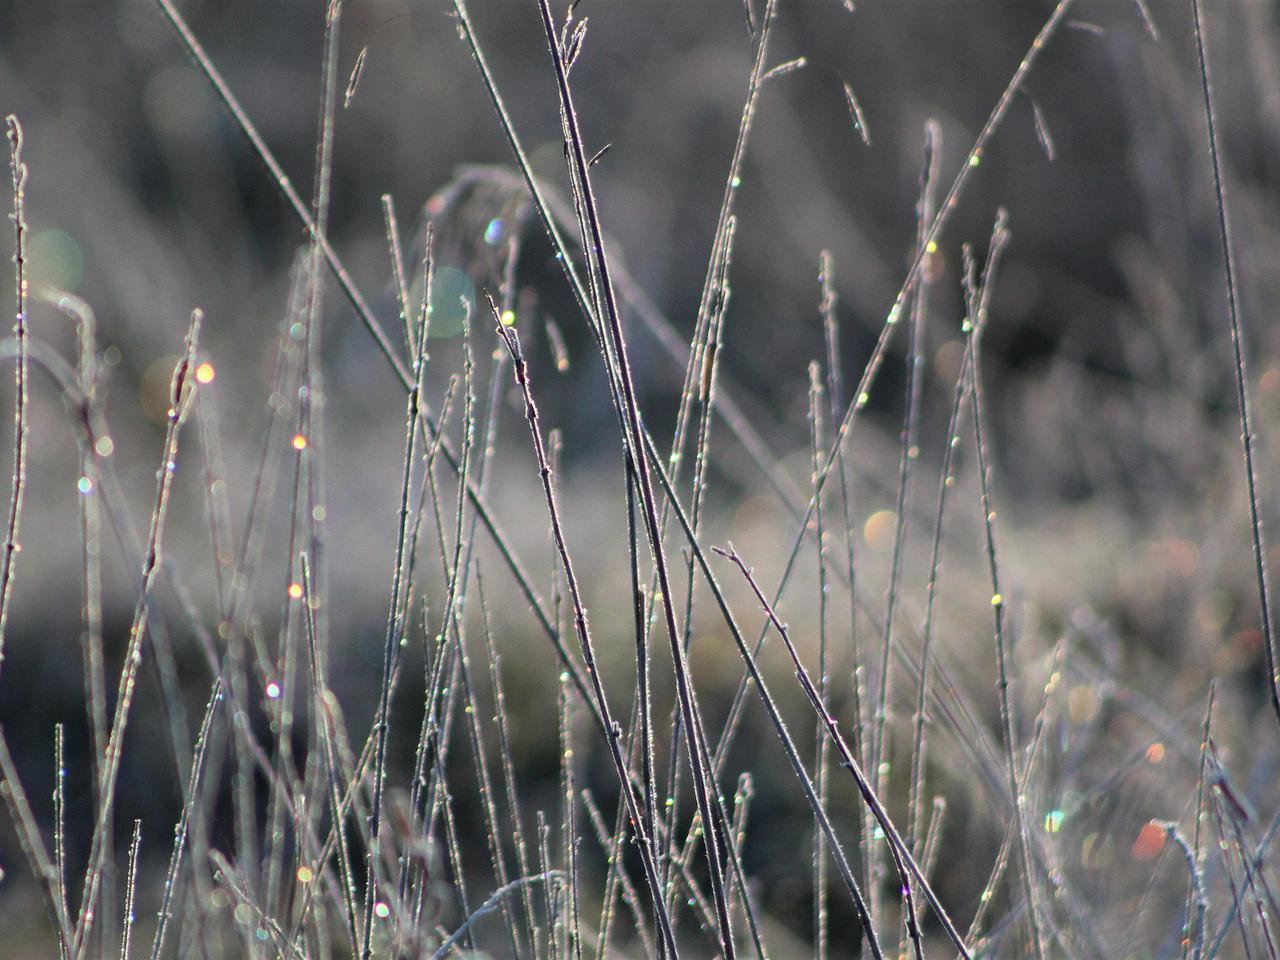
x=231, y=878
x=1200, y=903
x=472, y=709
x=285, y=185
x=756, y=679
x=356, y=71
x=908, y=453
x=739, y=424
x=855, y=113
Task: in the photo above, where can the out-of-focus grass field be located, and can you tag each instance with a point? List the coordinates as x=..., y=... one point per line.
x=1128, y=595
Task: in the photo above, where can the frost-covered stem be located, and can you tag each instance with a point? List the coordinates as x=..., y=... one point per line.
x=11, y=547
x=181, y=392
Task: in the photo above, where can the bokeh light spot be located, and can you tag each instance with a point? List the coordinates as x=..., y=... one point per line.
x=55, y=260
x=879, y=528
x=453, y=296
x=1150, y=841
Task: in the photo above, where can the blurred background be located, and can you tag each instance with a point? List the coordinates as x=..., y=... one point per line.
x=1108, y=370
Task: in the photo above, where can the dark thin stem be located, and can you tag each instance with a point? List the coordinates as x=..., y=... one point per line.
x=548, y=211
x=282, y=182
x=1264, y=903
x=707, y=385
x=1241, y=371
x=755, y=677
x=1233, y=908
x=612, y=323
x=614, y=732
x=908, y=869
